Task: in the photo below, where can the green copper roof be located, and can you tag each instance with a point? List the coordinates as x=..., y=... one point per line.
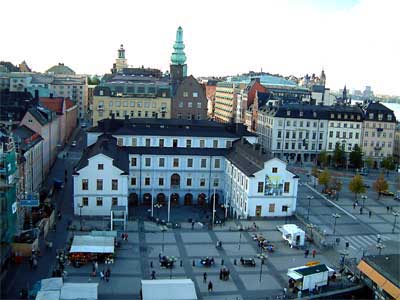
x=178, y=57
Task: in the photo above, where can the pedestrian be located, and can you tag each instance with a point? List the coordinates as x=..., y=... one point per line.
x=299, y=294
x=93, y=271
x=96, y=266
x=59, y=215
x=153, y=275
x=361, y=210
x=123, y=236
x=205, y=277
x=369, y=214
x=306, y=252
x=284, y=292
x=220, y=274
x=354, y=205
x=126, y=237
x=314, y=252
x=108, y=272
x=210, y=286
x=106, y=276
x=102, y=275
x=192, y=225
x=387, y=209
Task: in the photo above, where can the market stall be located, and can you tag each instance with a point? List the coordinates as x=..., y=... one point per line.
x=86, y=248
x=308, y=277
x=293, y=234
x=168, y=289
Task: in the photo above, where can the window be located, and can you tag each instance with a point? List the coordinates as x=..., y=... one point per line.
x=188, y=181
x=147, y=162
x=85, y=184
x=287, y=134
x=119, y=141
x=286, y=187
x=99, y=184
x=190, y=163
x=271, y=207
x=176, y=163
x=202, y=182
x=147, y=181
x=185, y=94
x=215, y=143
x=99, y=201
x=114, y=184
x=278, y=145
x=195, y=94
x=198, y=104
x=133, y=161
x=284, y=208
x=161, y=181
x=132, y=104
x=180, y=105
x=174, y=143
x=161, y=162
x=133, y=181
x=260, y=188
x=357, y=135
x=216, y=182
x=202, y=143
x=161, y=143
x=228, y=144
x=190, y=104
x=217, y=163
x=274, y=170
x=188, y=143
x=114, y=201
x=321, y=135
x=85, y=201
x=279, y=134
x=203, y=163
x=148, y=141
x=330, y=134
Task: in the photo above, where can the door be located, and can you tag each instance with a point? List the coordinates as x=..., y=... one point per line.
x=258, y=210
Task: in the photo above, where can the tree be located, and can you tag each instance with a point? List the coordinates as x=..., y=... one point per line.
x=356, y=186
x=324, y=178
x=388, y=163
x=94, y=80
x=338, y=155
x=356, y=157
x=380, y=185
x=322, y=158
x=337, y=185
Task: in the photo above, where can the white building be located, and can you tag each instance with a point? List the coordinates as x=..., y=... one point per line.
x=182, y=162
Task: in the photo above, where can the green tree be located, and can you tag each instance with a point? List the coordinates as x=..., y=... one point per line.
x=356, y=186
x=94, y=80
x=380, y=185
x=356, y=157
x=388, y=163
x=324, y=178
x=338, y=155
x=322, y=158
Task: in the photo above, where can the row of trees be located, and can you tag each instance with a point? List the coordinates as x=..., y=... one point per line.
x=356, y=185
x=355, y=159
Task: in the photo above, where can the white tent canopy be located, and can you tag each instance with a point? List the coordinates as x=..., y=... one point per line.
x=51, y=284
x=74, y=291
x=168, y=289
x=48, y=295
x=92, y=244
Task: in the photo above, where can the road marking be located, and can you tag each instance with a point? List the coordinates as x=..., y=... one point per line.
x=333, y=203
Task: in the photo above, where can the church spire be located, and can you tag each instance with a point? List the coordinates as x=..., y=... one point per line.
x=178, y=57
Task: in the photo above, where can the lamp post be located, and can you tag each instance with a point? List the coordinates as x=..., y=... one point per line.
x=335, y=216
x=240, y=237
x=309, y=204
x=262, y=257
x=213, y=212
x=395, y=214
x=80, y=214
x=364, y=198
x=163, y=230
x=311, y=227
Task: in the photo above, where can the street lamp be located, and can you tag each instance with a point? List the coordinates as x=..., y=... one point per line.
x=364, y=198
x=380, y=246
x=213, y=212
x=163, y=230
x=262, y=257
x=240, y=237
x=309, y=204
x=395, y=214
x=335, y=216
x=80, y=214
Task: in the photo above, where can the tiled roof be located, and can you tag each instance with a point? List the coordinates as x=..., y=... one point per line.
x=53, y=104
x=69, y=103
x=26, y=137
x=40, y=114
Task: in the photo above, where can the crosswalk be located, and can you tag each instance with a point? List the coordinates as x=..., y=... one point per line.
x=363, y=242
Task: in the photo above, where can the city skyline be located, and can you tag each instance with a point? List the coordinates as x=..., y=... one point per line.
x=353, y=41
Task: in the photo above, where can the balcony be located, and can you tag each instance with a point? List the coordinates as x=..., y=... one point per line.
x=377, y=148
x=100, y=108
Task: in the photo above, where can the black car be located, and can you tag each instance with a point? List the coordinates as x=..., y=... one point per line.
x=366, y=185
x=386, y=193
x=248, y=262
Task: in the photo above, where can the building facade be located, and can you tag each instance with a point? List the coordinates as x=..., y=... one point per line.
x=225, y=102
x=378, y=132
x=190, y=101
x=180, y=162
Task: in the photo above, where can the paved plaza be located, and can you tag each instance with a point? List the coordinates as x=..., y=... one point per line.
x=136, y=256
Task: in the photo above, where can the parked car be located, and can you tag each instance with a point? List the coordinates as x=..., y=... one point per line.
x=83, y=125
x=73, y=144
x=366, y=185
x=397, y=196
x=387, y=193
x=364, y=172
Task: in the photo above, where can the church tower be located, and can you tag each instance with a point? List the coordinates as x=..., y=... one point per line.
x=322, y=78
x=120, y=62
x=178, y=67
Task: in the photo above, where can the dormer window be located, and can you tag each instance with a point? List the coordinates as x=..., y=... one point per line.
x=389, y=117
x=345, y=116
x=371, y=116
x=288, y=113
x=332, y=116
x=301, y=114
x=339, y=116
x=380, y=117
x=314, y=114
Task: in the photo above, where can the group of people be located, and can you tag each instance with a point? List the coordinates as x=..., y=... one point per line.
x=104, y=274
x=210, y=285
x=124, y=236
x=307, y=252
x=224, y=273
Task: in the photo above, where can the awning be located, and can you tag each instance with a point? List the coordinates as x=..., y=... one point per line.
x=168, y=289
x=294, y=275
x=48, y=295
x=92, y=244
x=73, y=291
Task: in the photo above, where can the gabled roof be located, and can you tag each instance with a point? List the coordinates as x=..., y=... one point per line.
x=53, y=104
x=26, y=137
x=107, y=145
x=42, y=115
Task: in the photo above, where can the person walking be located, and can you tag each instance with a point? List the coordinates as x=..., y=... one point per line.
x=306, y=252
x=126, y=236
x=370, y=214
x=102, y=275
x=108, y=274
x=387, y=209
x=354, y=205
x=210, y=286
x=314, y=252
x=205, y=277
x=153, y=275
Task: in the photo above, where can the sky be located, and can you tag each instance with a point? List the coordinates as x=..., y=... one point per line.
x=357, y=43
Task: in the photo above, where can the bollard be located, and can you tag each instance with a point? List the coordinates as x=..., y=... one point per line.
x=234, y=261
x=193, y=263
x=222, y=262
x=151, y=264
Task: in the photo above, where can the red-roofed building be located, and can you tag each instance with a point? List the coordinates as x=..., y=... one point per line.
x=67, y=112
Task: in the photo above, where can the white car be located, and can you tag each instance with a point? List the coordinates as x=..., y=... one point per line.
x=73, y=144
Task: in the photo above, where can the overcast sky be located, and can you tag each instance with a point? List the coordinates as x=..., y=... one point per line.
x=356, y=42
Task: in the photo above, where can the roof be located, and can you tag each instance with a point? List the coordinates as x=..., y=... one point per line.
x=265, y=79
x=387, y=266
x=41, y=114
x=312, y=270
x=26, y=137
x=107, y=145
x=247, y=157
x=61, y=69
x=171, y=127
x=92, y=244
x=168, y=289
x=79, y=291
x=177, y=151
x=379, y=108
x=53, y=104
x=69, y=103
